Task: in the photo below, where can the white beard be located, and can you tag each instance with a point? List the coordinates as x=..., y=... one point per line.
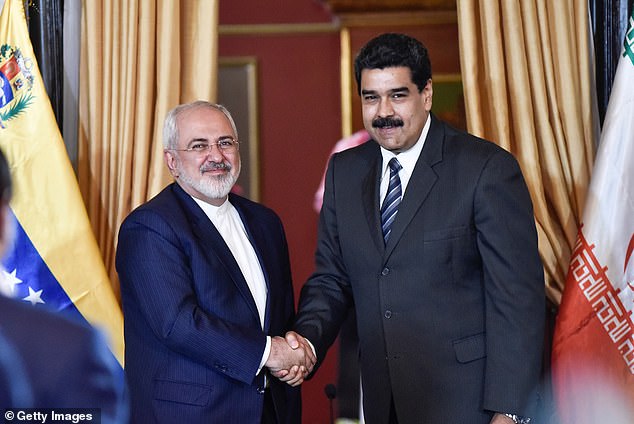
x=216, y=187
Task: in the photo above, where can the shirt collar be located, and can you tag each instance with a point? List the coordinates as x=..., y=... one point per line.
x=214, y=212
x=409, y=157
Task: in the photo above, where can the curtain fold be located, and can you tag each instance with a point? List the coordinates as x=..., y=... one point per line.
x=138, y=60
x=528, y=78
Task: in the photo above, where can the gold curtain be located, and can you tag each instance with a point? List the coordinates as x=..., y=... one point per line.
x=138, y=60
x=528, y=80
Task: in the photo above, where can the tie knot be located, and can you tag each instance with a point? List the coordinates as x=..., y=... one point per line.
x=394, y=165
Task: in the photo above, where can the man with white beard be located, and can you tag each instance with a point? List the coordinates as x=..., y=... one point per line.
x=206, y=288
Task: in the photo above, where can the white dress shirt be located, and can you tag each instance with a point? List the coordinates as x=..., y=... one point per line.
x=407, y=159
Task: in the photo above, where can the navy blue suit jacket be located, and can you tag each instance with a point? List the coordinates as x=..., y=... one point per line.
x=67, y=364
x=192, y=331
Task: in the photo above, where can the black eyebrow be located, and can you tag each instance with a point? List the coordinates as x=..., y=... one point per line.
x=391, y=91
x=400, y=89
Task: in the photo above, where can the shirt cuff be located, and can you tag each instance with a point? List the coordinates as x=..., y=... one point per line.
x=311, y=347
x=265, y=355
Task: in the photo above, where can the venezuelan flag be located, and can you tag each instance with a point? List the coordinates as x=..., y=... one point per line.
x=55, y=261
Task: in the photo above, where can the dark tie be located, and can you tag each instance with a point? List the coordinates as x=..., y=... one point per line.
x=392, y=199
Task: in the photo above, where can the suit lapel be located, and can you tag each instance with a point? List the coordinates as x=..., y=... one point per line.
x=420, y=184
x=257, y=240
x=370, y=196
x=212, y=243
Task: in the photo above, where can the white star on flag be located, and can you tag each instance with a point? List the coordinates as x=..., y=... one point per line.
x=8, y=281
x=34, y=296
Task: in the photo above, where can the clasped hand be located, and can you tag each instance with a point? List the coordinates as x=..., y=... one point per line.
x=291, y=358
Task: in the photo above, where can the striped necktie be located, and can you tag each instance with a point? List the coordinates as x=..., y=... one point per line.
x=392, y=199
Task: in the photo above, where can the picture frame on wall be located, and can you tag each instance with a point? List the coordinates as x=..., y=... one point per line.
x=237, y=91
x=448, y=101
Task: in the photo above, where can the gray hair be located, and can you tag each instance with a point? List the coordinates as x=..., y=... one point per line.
x=170, y=127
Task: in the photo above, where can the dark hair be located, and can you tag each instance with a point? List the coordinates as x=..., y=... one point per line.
x=6, y=188
x=394, y=50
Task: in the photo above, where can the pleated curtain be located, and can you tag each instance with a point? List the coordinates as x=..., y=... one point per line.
x=138, y=60
x=528, y=75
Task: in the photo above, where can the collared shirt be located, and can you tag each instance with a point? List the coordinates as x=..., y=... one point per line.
x=407, y=159
x=230, y=226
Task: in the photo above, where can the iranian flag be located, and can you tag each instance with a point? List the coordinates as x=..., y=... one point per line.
x=593, y=346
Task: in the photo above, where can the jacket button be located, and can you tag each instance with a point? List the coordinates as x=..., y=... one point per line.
x=260, y=390
x=385, y=271
x=388, y=314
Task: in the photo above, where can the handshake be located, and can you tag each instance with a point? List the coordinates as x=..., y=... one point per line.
x=291, y=359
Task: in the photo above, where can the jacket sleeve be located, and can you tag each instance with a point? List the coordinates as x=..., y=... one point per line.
x=326, y=297
x=513, y=285
x=157, y=286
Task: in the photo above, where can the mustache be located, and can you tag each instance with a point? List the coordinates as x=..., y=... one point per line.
x=387, y=122
x=215, y=166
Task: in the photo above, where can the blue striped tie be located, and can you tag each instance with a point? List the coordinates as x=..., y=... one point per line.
x=392, y=199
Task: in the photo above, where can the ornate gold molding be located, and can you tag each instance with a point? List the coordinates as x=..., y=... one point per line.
x=346, y=83
x=277, y=29
x=358, y=6
x=414, y=18
x=446, y=78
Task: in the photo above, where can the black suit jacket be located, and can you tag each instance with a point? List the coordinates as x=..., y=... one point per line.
x=192, y=331
x=450, y=312
x=66, y=364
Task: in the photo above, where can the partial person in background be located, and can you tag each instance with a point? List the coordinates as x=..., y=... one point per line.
x=345, y=143
x=429, y=233
x=55, y=362
x=206, y=288
x=14, y=386
x=348, y=379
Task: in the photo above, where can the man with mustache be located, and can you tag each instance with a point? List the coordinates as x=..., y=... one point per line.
x=428, y=232
x=206, y=289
